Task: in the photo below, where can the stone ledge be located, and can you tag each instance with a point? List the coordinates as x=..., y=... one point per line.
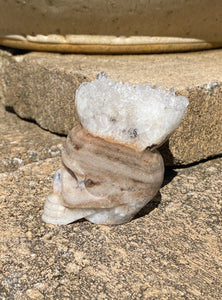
x=42, y=87
x=23, y=142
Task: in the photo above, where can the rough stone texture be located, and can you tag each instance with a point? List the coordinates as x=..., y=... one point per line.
x=42, y=87
x=172, y=250
x=23, y=142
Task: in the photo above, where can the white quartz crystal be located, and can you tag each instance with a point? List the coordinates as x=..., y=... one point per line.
x=138, y=116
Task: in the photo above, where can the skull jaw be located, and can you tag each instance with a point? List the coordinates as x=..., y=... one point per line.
x=58, y=211
x=57, y=214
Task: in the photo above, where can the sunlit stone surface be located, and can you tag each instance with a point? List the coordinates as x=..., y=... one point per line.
x=107, y=176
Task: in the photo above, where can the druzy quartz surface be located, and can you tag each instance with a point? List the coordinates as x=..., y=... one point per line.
x=110, y=167
x=137, y=115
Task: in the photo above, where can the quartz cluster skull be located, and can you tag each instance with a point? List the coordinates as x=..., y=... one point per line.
x=111, y=167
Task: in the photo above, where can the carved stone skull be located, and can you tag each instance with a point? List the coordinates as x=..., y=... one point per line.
x=102, y=181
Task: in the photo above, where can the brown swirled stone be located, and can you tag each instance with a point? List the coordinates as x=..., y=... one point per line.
x=102, y=181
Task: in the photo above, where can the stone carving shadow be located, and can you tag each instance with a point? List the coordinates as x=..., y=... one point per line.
x=166, y=154
x=168, y=175
x=154, y=203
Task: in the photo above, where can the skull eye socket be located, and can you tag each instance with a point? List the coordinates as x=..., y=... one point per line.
x=89, y=183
